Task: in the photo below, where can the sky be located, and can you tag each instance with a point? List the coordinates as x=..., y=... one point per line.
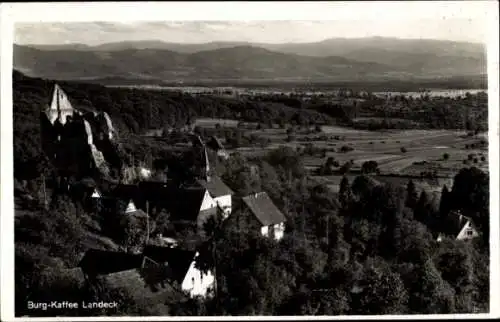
x=270, y=22
x=94, y=33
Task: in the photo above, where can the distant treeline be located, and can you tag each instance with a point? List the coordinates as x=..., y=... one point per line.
x=396, y=85
x=136, y=110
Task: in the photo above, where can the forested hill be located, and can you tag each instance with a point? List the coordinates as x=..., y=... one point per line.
x=329, y=60
x=135, y=110
x=368, y=249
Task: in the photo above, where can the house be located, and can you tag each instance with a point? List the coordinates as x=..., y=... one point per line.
x=181, y=267
x=131, y=210
x=193, y=204
x=459, y=227
x=95, y=194
x=87, y=193
x=123, y=200
x=270, y=219
x=136, y=273
x=187, y=205
x=219, y=192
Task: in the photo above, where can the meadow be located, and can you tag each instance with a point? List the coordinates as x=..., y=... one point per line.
x=401, y=155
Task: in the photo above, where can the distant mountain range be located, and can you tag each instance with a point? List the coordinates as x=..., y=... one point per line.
x=332, y=59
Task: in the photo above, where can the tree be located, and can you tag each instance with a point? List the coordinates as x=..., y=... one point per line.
x=290, y=134
x=381, y=290
x=422, y=208
x=446, y=156
x=345, y=193
x=346, y=148
x=369, y=167
x=362, y=186
x=162, y=222
x=415, y=244
x=455, y=264
x=344, y=169
x=470, y=194
x=444, y=208
x=288, y=161
x=411, y=195
x=132, y=232
x=429, y=293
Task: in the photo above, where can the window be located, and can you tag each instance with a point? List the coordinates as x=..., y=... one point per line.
x=469, y=232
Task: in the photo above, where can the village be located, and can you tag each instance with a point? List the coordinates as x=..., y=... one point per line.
x=189, y=203
x=192, y=201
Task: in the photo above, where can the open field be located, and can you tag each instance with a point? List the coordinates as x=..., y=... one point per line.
x=400, y=155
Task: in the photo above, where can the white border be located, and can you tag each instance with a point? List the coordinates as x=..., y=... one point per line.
x=242, y=11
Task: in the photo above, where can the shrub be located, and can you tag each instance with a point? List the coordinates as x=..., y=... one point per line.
x=346, y=148
x=369, y=167
x=483, y=158
x=470, y=157
x=345, y=168
x=446, y=156
x=476, y=160
x=403, y=149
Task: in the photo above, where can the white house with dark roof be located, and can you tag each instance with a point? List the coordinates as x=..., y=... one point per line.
x=270, y=218
x=181, y=267
x=219, y=192
x=460, y=227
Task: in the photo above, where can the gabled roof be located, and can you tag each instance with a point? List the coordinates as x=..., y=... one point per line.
x=216, y=187
x=178, y=260
x=187, y=203
x=263, y=208
x=183, y=203
x=131, y=210
x=455, y=223
x=95, y=193
x=99, y=262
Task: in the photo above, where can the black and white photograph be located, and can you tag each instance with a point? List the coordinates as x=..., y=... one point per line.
x=224, y=164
